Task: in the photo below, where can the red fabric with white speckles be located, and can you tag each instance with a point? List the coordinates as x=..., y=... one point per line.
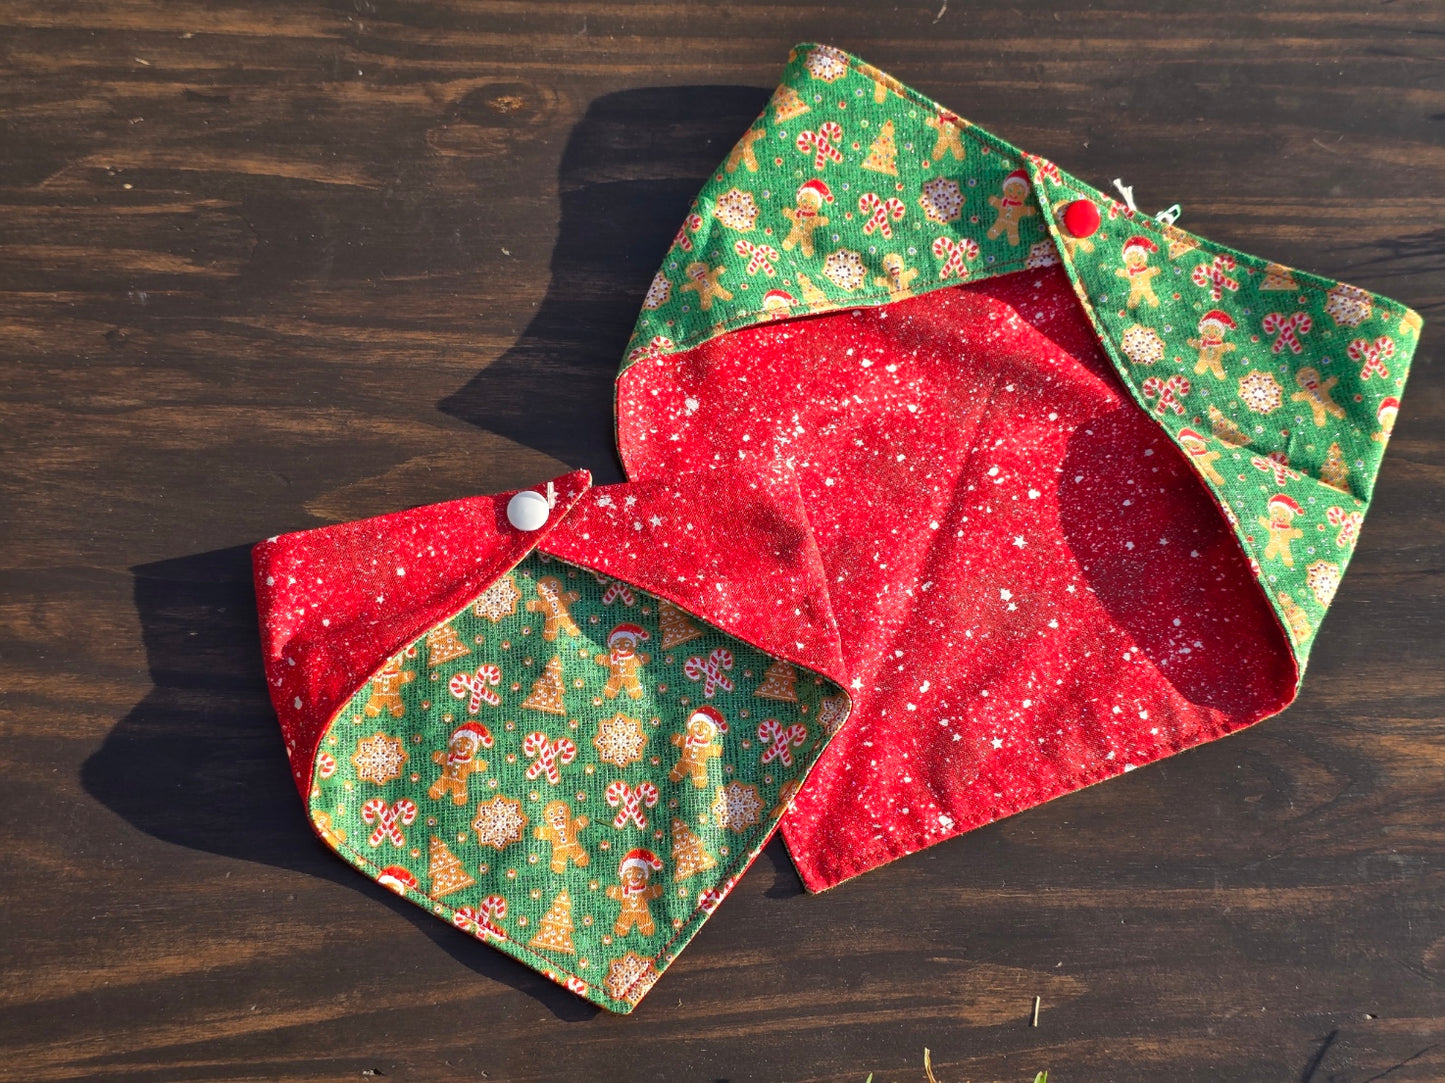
x=1034, y=591
x=732, y=546
x=334, y=602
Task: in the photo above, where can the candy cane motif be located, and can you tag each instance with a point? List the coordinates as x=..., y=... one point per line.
x=1168, y=392
x=1288, y=328
x=781, y=741
x=1349, y=524
x=711, y=671
x=954, y=254
x=692, y=224
x=389, y=820
x=1277, y=463
x=576, y=985
x=478, y=685
x=549, y=754
x=1046, y=168
x=482, y=921
x=821, y=141
x=630, y=802
x=617, y=592
x=760, y=257
x=659, y=345
x=880, y=211
x=1216, y=276
x=1373, y=354
x=710, y=898
x=325, y=765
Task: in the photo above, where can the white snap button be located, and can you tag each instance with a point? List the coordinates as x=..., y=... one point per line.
x=527, y=511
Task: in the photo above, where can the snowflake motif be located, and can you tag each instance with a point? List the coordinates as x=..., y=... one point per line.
x=1141, y=345
x=737, y=210
x=845, y=268
x=1261, y=392
x=498, y=601
x=379, y=758
x=826, y=64
x=620, y=740
x=499, y=822
x=1043, y=254
x=942, y=200
x=1349, y=305
x=658, y=292
x=630, y=977
x=737, y=806
x=1323, y=579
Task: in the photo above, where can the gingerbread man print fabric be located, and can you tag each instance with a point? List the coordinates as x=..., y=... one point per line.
x=571, y=770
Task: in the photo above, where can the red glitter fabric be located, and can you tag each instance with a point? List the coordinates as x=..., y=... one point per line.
x=732, y=546
x=1034, y=590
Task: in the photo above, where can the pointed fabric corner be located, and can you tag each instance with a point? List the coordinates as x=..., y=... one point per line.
x=1280, y=387
x=586, y=732
x=1082, y=500
x=735, y=547
x=335, y=601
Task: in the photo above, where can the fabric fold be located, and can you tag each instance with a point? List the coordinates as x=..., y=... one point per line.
x=1083, y=483
x=567, y=730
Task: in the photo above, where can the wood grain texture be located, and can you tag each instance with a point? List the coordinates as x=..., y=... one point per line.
x=265, y=265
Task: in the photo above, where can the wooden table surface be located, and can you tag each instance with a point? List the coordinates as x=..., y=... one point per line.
x=266, y=265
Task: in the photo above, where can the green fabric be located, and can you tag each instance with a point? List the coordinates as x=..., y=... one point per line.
x=412, y=795
x=1288, y=408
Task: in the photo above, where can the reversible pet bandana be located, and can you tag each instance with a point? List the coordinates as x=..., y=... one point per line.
x=1083, y=483
x=565, y=723
x=926, y=436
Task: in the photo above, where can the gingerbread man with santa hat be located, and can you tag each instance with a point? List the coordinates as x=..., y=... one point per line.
x=624, y=660
x=634, y=892
x=805, y=218
x=1137, y=272
x=1012, y=206
x=699, y=744
x=459, y=761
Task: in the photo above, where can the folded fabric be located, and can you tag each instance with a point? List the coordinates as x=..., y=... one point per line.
x=1083, y=483
x=564, y=722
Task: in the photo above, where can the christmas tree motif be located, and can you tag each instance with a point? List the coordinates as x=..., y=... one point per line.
x=787, y=104
x=1225, y=430
x=676, y=628
x=815, y=298
x=1278, y=277
x=547, y=690
x=779, y=682
x=1179, y=241
x=883, y=154
x=688, y=853
x=442, y=645
x=556, y=931
x=445, y=872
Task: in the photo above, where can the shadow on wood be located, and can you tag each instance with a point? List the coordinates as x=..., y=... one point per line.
x=199, y=762
x=630, y=170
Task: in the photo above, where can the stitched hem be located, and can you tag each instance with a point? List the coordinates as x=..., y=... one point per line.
x=733, y=870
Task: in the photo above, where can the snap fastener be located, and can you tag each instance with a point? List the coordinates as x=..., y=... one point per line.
x=528, y=511
x=1081, y=218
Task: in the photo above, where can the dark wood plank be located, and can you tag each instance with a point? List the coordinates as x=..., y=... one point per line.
x=267, y=265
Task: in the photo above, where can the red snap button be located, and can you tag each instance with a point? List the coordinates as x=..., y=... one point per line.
x=1081, y=218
